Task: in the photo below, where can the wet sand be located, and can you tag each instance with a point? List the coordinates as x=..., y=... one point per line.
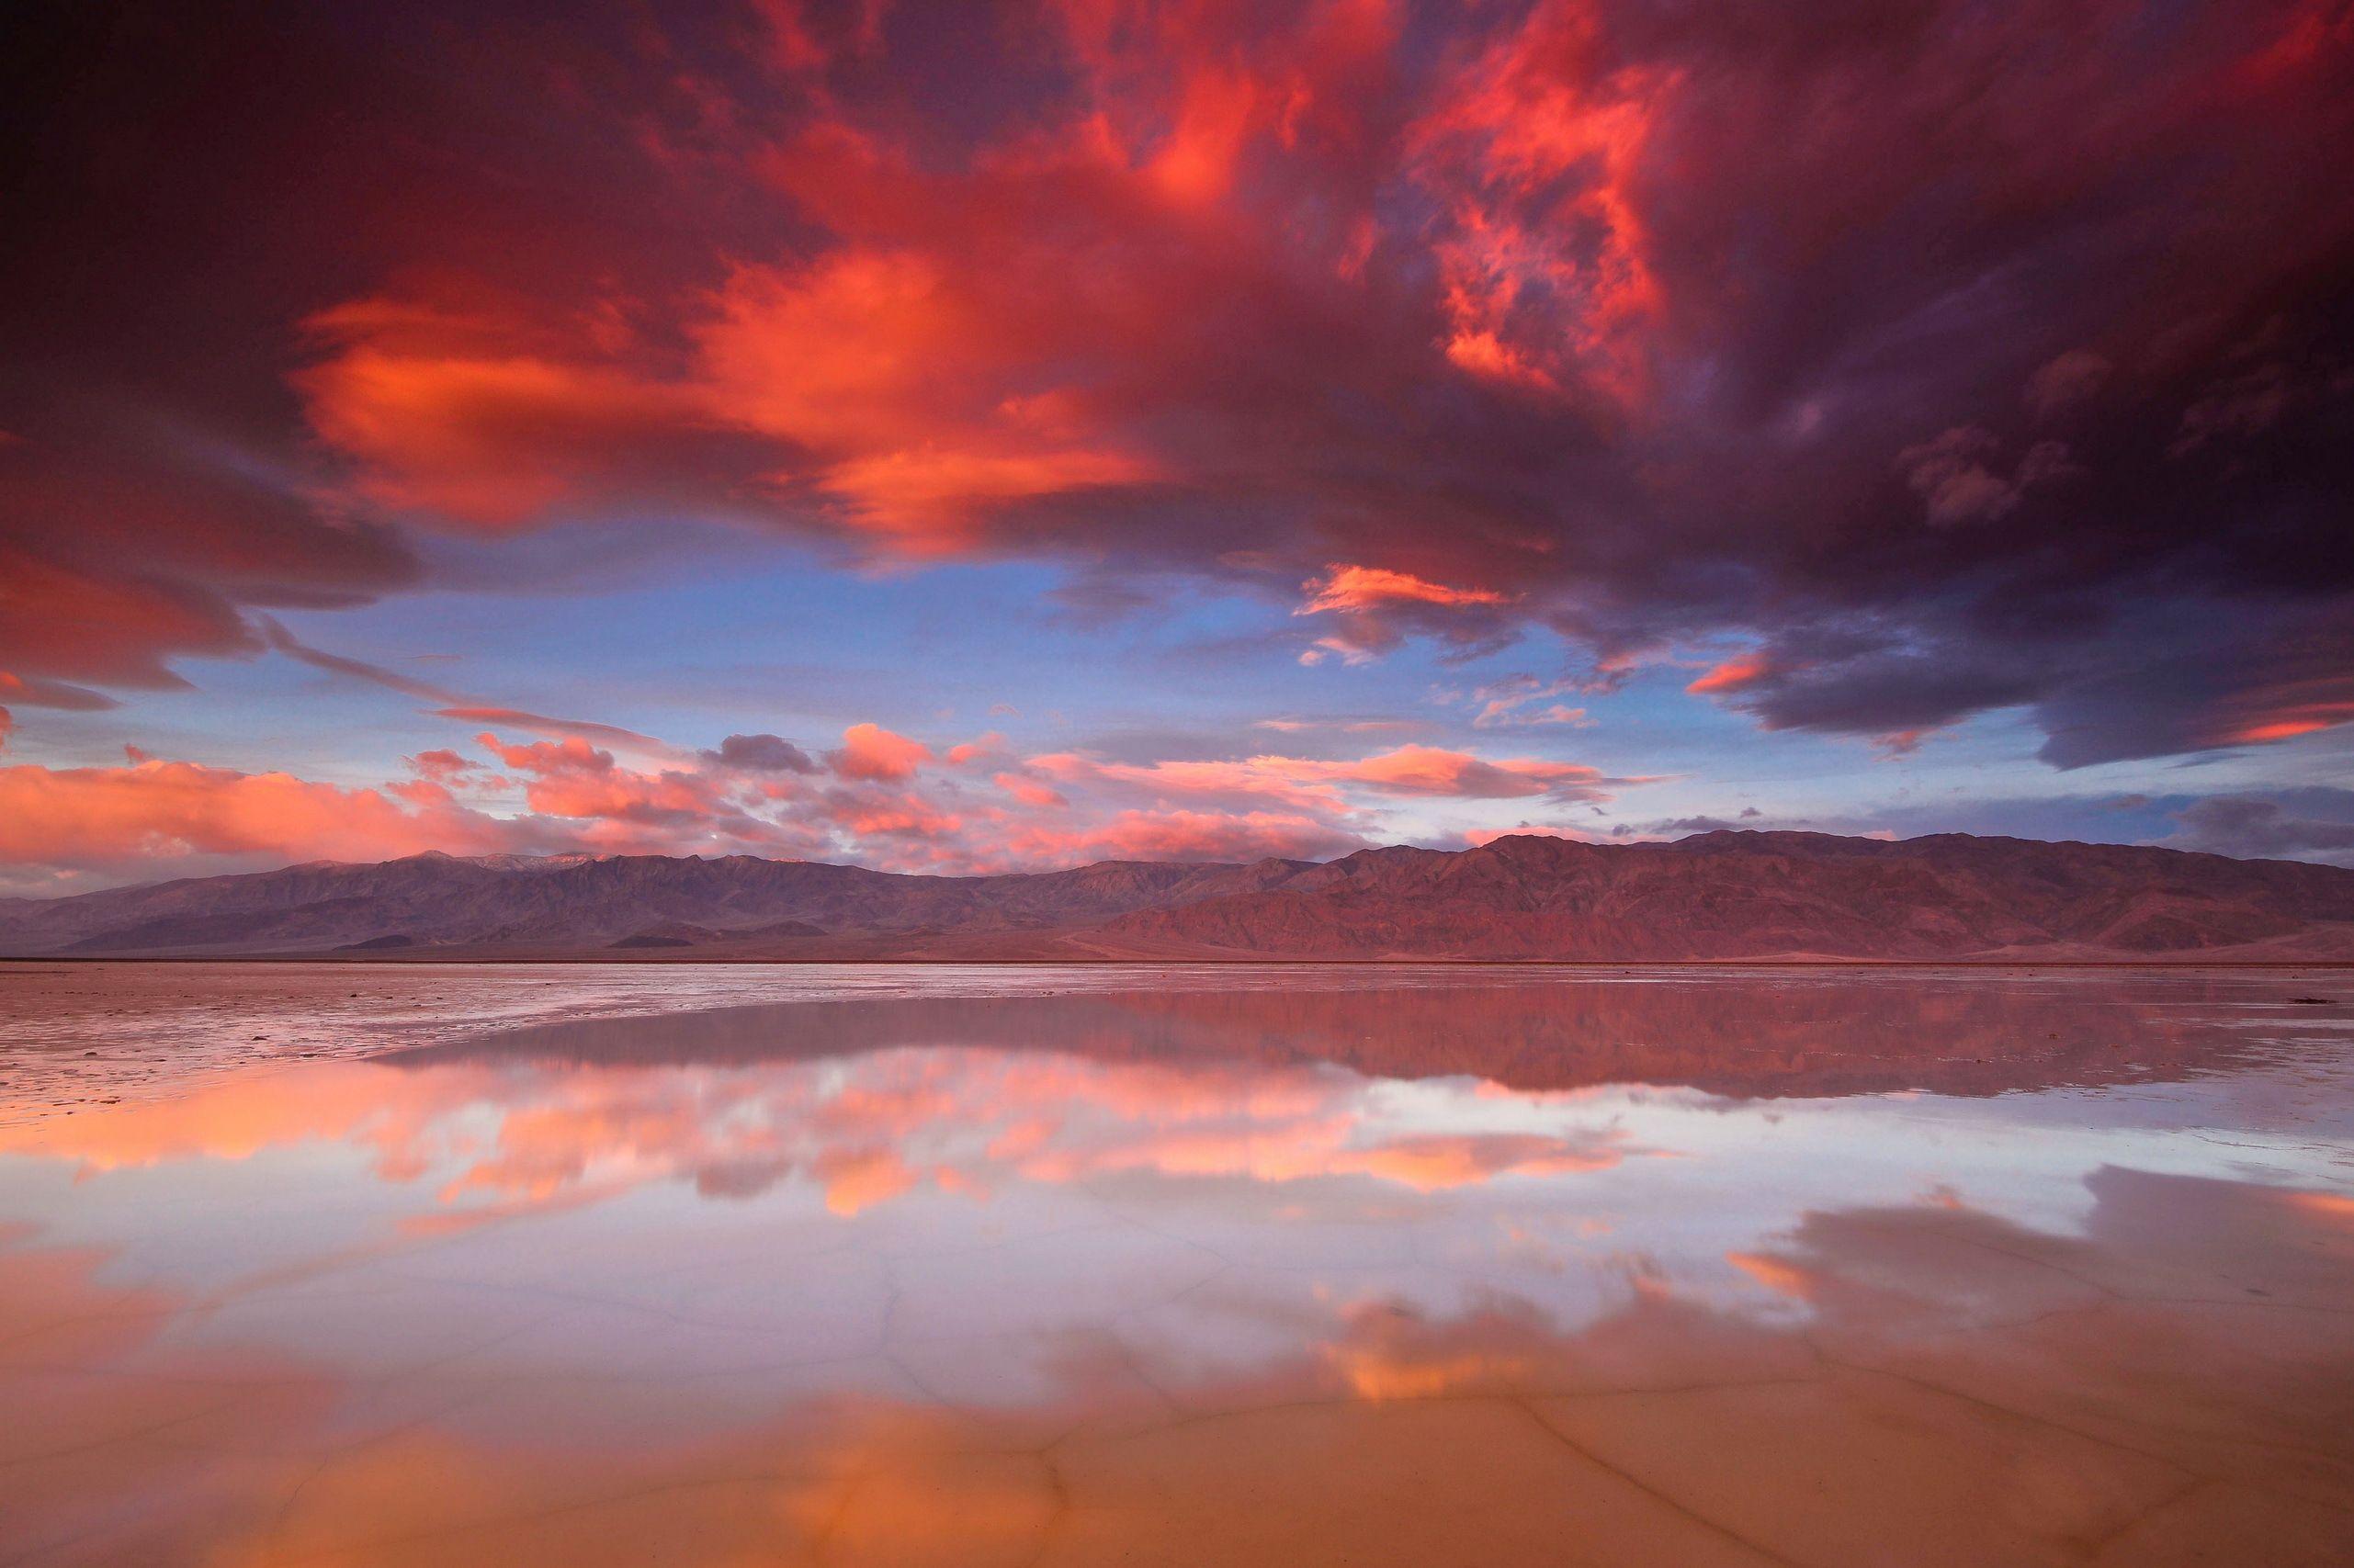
x=1651, y=1268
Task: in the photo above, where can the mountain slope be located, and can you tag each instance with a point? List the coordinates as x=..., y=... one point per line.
x=584, y=900
x=1715, y=896
x=1754, y=895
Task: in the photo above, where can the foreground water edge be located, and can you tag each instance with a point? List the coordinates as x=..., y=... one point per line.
x=1356, y=1265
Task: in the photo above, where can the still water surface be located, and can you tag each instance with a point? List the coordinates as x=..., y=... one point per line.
x=1660, y=1267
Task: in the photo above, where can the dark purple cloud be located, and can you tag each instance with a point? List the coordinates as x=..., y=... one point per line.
x=761, y=754
x=2315, y=823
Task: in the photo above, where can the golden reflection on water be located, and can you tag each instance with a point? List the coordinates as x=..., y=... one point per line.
x=1689, y=1273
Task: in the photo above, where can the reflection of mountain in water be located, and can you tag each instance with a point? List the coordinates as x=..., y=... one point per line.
x=1806, y=1036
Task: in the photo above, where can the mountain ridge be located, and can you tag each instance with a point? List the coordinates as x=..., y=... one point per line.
x=1720, y=896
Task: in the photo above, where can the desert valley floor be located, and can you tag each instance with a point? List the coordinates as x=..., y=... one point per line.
x=353, y=1264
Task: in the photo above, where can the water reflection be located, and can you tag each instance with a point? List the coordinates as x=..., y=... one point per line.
x=1789, y=1034
x=1894, y=1272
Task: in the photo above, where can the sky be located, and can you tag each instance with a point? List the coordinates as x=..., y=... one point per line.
x=962, y=438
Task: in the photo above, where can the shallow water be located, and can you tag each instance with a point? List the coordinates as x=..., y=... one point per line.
x=1364, y=1266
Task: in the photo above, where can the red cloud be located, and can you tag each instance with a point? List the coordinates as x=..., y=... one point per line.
x=2286, y=712
x=92, y=624
x=494, y=442
x=1533, y=151
x=125, y=543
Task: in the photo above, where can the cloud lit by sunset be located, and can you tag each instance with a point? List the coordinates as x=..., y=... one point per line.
x=1934, y=420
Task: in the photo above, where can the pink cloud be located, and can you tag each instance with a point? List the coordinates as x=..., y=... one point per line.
x=155, y=811
x=1184, y=836
x=869, y=751
x=1367, y=588
x=1510, y=703
x=572, y=755
x=441, y=766
x=1372, y=608
x=520, y=719
x=1029, y=792
x=878, y=803
x=988, y=747
x=1430, y=770
x=1411, y=770
x=1479, y=838
x=1732, y=674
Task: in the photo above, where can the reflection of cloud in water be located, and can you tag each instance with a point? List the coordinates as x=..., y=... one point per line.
x=865, y=1128
x=1404, y=1275
x=1961, y=1391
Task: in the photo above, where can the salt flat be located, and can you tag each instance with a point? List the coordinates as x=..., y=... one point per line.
x=1297, y=1266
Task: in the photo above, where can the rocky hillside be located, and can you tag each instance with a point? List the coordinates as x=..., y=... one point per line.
x=1753, y=895
x=1715, y=896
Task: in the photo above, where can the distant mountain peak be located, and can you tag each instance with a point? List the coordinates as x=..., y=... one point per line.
x=1727, y=893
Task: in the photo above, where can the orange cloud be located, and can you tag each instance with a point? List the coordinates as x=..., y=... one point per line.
x=1370, y=587
x=570, y=755
x=1437, y=1162
x=1732, y=675
x=443, y=765
x=1029, y=792
x=871, y=753
x=2288, y=710
x=905, y=378
x=1479, y=837
x=1372, y=608
x=891, y=813
x=1411, y=770
x=1184, y=836
x=1776, y=1274
x=159, y=810
x=1431, y=769
x=493, y=440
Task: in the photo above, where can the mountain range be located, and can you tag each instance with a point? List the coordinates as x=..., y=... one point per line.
x=1712, y=896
